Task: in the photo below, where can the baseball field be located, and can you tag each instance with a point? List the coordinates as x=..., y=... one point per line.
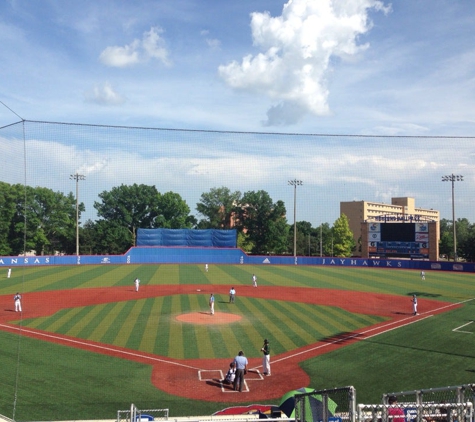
x=87, y=344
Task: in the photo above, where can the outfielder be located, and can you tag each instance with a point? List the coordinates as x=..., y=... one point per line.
x=232, y=295
x=9, y=273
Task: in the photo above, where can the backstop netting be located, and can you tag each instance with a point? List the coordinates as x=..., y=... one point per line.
x=83, y=161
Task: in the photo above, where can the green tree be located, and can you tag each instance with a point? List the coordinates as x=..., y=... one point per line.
x=462, y=227
x=220, y=206
x=8, y=200
x=44, y=221
x=304, y=231
x=244, y=242
x=139, y=206
x=111, y=238
x=343, y=242
x=466, y=246
x=173, y=212
x=446, y=245
x=87, y=234
x=264, y=222
x=325, y=238
x=131, y=207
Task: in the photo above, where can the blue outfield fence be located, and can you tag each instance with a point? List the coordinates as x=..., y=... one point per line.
x=207, y=255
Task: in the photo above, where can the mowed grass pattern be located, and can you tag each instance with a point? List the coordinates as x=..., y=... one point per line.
x=449, y=286
x=149, y=325
x=426, y=354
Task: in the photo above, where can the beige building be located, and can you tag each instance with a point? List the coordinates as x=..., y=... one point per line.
x=399, y=211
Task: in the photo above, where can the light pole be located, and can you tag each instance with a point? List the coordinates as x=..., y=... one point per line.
x=295, y=183
x=453, y=178
x=77, y=177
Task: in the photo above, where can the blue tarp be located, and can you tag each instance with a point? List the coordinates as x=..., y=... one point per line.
x=187, y=237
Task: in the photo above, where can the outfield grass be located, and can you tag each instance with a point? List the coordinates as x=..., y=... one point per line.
x=57, y=382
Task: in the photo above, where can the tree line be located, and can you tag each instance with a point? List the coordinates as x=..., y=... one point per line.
x=42, y=220
x=39, y=219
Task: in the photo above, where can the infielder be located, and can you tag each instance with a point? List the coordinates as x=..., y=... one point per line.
x=254, y=280
x=414, y=304
x=211, y=304
x=137, y=284
x=423, y=275
x=266, y=358
x=17, y=300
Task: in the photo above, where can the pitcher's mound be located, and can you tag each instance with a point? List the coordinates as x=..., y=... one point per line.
x=207, y=318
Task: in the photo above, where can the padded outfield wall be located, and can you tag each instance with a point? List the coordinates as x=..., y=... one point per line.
x=187, y=255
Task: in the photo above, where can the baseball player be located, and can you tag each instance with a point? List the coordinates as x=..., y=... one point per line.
x=232, y=295
x=206, y=267
x=423, y=275
x=137, y=284
x=9, y=273
x=414, y=304
x=17, y=300
x=211, y=304
x=254, y=280
x=265, y=349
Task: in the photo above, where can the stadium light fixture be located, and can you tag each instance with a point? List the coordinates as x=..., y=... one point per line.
x=77, y=177
x=295, y=183
x=453, y=178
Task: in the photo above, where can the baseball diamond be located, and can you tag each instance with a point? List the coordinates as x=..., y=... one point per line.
x=166, y=325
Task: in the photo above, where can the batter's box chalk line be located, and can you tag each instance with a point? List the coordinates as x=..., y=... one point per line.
x=216, y=376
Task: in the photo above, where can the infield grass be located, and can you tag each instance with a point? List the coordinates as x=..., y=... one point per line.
x=52, y=382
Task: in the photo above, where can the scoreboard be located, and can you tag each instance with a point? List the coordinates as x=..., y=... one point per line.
x=409, y=240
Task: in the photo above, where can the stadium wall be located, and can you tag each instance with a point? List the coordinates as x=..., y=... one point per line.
x=188, y=255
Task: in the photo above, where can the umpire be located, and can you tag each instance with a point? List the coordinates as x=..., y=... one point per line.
x=241, y=369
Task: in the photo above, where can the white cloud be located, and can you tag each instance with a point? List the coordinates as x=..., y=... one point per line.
x=151, y=46
x=213, y=43
x=333, y=170
x=104, y=95
x=296, y=52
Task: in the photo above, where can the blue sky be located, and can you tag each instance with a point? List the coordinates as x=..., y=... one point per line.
x=361, y=67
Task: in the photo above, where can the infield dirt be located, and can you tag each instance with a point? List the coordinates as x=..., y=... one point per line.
x=200, y=378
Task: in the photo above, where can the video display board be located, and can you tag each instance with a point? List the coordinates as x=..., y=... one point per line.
x=409, y=240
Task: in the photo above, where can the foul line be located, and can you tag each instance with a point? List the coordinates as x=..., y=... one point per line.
x=94, y=346
x=393, y=326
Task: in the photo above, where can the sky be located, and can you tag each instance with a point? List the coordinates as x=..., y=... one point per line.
x=398, y=76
